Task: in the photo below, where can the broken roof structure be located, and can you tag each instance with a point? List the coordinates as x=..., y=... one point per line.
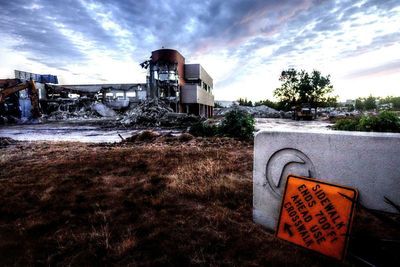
x=186, y=87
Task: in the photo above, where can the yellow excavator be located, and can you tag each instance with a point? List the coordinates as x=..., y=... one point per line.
x=11, y=86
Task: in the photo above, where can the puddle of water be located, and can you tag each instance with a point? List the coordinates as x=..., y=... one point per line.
x=287, y=124
x=68, y=131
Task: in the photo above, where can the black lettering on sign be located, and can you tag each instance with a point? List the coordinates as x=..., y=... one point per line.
x=326, y=226
x=330, y=209
x=298, y=224
x=307, y=196
x=306, y=216
x=317, y=234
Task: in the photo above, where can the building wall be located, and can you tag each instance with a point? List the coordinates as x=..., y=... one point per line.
x=205, y=77
x=196, y=95
x=193, y=93
x=192, y=71
x=173, y=56
x=195, y=72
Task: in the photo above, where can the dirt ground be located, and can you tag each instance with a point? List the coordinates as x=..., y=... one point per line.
x=165, y=202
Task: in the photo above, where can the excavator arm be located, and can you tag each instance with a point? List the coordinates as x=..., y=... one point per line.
x=33, y=95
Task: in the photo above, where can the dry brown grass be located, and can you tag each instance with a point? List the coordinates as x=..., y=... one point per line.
x=167, y=202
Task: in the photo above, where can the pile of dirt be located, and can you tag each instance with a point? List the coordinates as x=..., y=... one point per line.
x=149, y=136
x=144, y=136
x=6, y=141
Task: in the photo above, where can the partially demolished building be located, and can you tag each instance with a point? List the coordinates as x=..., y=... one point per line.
x=185, y=88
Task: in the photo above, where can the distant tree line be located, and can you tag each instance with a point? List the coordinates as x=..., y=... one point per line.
x=266, y=102
x=394, y=100
x=372, y=102
x=298, y=88
x=218, y=105
x=244, y=102
x=314, y=89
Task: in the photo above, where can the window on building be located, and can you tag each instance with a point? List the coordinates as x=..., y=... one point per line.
x=120, y=95
x=131, y=94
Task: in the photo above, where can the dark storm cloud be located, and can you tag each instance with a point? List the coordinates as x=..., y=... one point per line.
x=38, y=34
x=327, y=18
x=179, y=24
x=193, y=27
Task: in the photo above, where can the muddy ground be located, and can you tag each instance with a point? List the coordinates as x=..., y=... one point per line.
x=173, y=201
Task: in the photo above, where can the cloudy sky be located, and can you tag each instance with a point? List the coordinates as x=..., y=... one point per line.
x=244, y=45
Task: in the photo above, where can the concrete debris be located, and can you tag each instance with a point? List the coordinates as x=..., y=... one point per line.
x=103, y=110
x=155, y=113
x=257, y=112
x=80, y=111
x=67, y=109
x=148, y=112
x=81, y=114
x=179, y=119
x=151, y=113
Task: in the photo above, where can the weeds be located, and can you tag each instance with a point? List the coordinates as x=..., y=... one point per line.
x=386, y=121
x=236, y=124
x=137, y=204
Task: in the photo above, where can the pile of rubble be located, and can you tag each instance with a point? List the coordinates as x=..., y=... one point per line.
x=152, y=113
x=81, y=114
x=103, y=110
x=93, y=111
x=148, y=112
x=155, y=113
x=257, y=112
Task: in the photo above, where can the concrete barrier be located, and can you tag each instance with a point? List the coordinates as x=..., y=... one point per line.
x=369, y=162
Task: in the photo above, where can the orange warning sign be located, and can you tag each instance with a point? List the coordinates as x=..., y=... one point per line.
x=317, y=215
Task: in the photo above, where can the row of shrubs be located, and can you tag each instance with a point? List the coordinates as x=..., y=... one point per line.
x=241, y=125
x=237, y=124
x=386, y=121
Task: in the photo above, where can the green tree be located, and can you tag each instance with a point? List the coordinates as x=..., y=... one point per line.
x=217, y=105
x=238, y=124
x=244, y=102
x=370, y=103
x=394, y=100
x=288, y=92
x=359, y=105
x=300, y=87
x=331, y=101
x=386, y=121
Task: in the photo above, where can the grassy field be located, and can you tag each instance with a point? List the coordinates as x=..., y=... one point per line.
x=166, y=202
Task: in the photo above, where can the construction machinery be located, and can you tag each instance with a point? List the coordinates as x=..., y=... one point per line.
x=9, y=87
x=303, y=112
